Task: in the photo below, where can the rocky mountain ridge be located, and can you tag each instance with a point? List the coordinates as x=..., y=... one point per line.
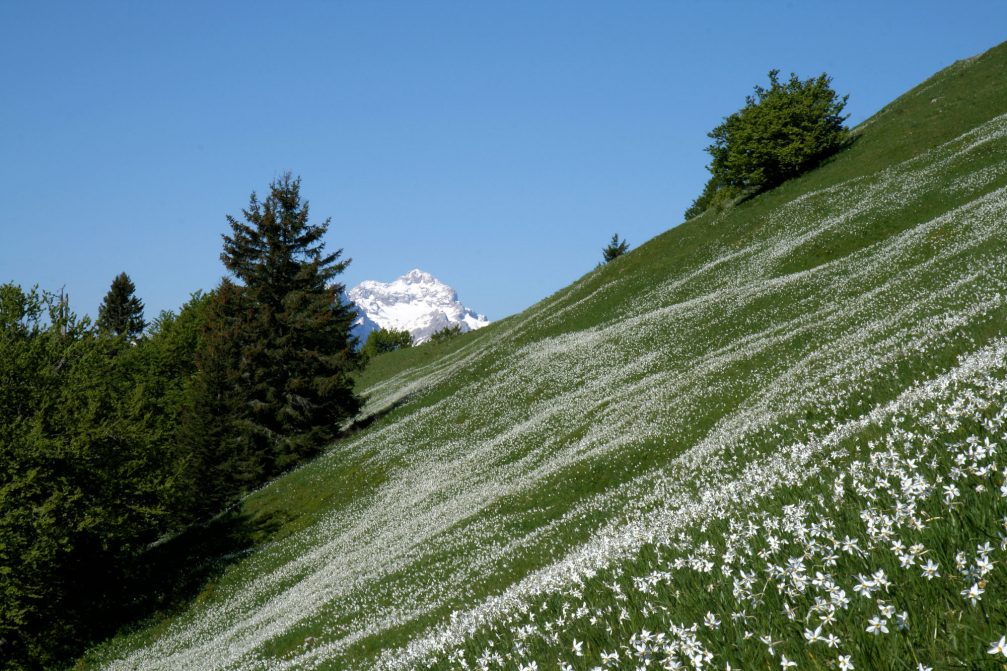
x=416, y=302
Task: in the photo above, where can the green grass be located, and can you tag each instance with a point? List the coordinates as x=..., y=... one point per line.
x=650, y=407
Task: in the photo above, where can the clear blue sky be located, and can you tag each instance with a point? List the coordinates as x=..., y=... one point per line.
x=495, y=145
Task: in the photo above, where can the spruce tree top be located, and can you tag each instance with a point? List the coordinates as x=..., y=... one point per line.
x=275, y=249
x=121, y=312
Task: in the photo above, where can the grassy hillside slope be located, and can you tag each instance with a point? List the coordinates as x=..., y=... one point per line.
x=760, y=425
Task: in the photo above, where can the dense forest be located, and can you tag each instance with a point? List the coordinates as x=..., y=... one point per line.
x=116, y=434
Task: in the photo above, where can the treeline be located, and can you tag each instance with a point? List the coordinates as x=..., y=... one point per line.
x=383, y=340
x=114, y=434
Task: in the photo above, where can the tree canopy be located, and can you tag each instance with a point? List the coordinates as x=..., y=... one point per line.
x=386, y=340
x=84, y=474
x=781, y=132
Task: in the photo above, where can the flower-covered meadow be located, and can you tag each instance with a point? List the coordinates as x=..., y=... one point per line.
x=890, y=552
x=774, y=438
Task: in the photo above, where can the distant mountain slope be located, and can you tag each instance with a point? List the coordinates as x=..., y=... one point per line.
x=772, y=435
x=416, y=302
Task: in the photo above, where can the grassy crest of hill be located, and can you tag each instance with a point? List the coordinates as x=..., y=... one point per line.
x=748, y=441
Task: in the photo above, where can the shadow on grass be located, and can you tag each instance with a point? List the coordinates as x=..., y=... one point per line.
x=850, y=140
x=167, y=577
x=362, y=423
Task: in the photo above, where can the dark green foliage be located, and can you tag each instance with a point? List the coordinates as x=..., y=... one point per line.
x=173, y=379
x=446, y=333
x=224, y=453
x=105, y=449
x=82, y=489
x=121, y=312
x=279, y=350
x=781, y=132
x=385, y=340
x=615, y=248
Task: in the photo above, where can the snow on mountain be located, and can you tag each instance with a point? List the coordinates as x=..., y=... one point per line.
x=416, y=302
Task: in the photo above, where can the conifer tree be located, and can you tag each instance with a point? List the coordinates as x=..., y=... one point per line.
x=296, y=350
x=121, y=312
x=223, y=454
x=615, y=248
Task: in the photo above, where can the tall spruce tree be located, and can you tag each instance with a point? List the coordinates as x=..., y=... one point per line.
x=296, y=352
x=121, y=312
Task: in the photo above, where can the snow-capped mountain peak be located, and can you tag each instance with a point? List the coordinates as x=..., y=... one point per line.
x=417, y=276
x=416, y=302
